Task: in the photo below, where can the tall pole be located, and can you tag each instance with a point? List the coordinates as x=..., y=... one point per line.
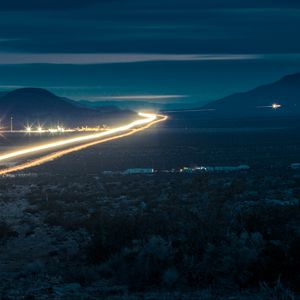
x=11, y=124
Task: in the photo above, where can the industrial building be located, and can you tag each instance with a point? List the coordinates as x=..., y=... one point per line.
x=214, y=169
x=138, y=171
x=295, y=166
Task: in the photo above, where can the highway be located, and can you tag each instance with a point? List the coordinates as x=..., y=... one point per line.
x=84, y=141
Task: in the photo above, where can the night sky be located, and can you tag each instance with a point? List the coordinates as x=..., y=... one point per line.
x=189, y=50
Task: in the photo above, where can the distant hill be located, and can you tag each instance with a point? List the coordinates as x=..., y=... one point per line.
x=135, y=105
x=30, y=105
x=248, y=110
x=258, y=102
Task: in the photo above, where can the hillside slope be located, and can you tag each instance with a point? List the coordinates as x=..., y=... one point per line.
x=258, y=102
x=30, y=105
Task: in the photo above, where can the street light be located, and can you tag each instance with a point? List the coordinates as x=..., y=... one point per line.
x=11, y=124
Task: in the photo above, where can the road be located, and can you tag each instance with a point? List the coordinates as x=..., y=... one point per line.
x=84, y=141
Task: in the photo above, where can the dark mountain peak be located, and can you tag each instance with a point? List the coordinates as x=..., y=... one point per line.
x=258, y=101
x=39, y=105
x=31, y=94
x=291, y=79
x=29, y=101
x=31, y=91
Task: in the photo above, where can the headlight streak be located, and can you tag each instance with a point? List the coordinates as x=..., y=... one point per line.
x=273, y=106
x=149, y=121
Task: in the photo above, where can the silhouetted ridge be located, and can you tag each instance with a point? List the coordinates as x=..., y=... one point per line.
x=258, y=102
x=36, y=104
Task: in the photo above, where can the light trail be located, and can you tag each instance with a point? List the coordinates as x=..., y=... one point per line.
x=147, y=119
x=58, y=154
x=273, y=106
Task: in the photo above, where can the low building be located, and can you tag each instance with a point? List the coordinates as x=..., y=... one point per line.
x=227, y=168
x=192, y=170
x=22, y=175
x=109, y=173
x=138, y=171
x=295, y=166
x=214, y=169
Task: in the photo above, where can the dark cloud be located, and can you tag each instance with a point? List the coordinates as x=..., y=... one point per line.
x=28, y=5
x=150, y=27
x=159, y=37
x=19, y=5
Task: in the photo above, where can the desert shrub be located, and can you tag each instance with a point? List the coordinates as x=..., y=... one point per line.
x=83, y=275
x=111, y=234
x=276, y=292
x=144, y=265
x=6, y=231
x=229, y=263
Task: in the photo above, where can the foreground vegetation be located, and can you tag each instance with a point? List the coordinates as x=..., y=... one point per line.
x=166, y=236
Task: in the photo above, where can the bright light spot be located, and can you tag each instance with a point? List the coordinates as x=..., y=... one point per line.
x=40, y=129
x=28, y=129
x=275, y=105
x=52, y=130
x=58, y=129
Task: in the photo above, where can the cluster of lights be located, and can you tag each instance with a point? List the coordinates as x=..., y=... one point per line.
x=40, y=129
x=60, y=129
x=57, y=129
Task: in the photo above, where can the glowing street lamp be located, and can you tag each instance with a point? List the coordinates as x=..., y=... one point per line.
x=11, y=124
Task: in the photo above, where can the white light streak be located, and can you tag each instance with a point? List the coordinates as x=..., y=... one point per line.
x=105, y=58
x=147, y=118
x=275, y=105
x=56, y=155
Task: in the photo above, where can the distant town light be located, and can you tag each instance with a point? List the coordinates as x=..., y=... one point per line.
x=52, y=130
x=28, y=129
x=57, y=129
x=40, y=129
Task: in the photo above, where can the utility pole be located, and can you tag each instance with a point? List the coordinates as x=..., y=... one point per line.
x=11, y=124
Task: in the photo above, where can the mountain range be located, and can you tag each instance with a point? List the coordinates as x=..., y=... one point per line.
x=281, y=98
x=35, y=105
x=254, y=103
x=275, y=105
x=32, y=105
x=136, y=105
